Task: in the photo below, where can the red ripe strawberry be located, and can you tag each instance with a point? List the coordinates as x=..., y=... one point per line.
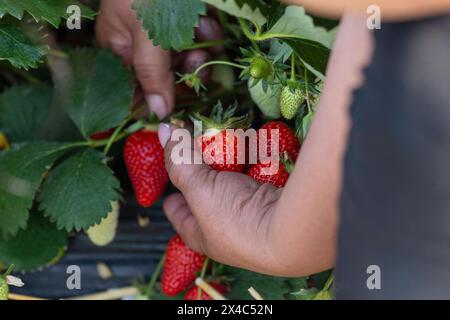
x=278, y=178
x=103, y=135
x=288, y=142
x=219, y=148
x=289, y=148
x=192, y=294
x=180, y=267
x=144, y=159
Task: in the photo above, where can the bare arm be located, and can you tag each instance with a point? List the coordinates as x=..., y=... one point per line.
x=289, y=232
x=310, y=199
x=390, y=9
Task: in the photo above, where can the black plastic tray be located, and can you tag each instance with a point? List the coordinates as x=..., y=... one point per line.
x=134, y=253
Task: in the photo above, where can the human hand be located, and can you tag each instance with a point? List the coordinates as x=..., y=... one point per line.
x=118, y=28
x=225, y=215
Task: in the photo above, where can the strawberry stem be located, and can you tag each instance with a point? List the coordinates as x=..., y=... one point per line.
x=205, y=44
x=293, y=67
x=329, y=282
x=119, y=129
x=307, y=91
x=9, y=271
x=202, y=275
x=221, y=62
x=155, y=275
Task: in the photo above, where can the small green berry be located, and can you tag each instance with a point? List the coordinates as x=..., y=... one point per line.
x=291, y=100
x=260, y=68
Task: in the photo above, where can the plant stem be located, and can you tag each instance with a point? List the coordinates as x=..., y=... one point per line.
x=268, y=36
x=206, y=44
x=155, y=275
x=293, y=67
x=244, y=27
x=307, y=91
x=202, y=275
x=9, y=271
x=57, y=54
x=116, y=132
x=210, y=63
x=329, y=282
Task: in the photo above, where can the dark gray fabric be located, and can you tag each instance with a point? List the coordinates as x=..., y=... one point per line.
x=395, y=205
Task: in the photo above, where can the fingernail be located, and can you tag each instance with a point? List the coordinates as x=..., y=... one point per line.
x=157, y=104
x=163, y=134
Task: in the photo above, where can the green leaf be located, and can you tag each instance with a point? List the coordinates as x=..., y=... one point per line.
x=310, y=43
x=275, y=12
x=36, y=246
x=241, y=10
x=16, y=48
x=170, y=23
x=78, y=193
x=23, y=109
x=21, y=173
x=295, y=21
x=102, y=91
x=279, y=51
x=268, y=102
x=51, y=11
x=270, y=288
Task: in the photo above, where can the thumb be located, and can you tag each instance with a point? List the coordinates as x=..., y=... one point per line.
x=153, y=71
x=183, y=161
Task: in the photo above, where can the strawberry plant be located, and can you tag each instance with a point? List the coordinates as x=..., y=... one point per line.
x=67, y=113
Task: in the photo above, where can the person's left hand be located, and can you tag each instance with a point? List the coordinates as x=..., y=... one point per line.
x=118, y=29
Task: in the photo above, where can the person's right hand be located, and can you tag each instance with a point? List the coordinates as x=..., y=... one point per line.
x=118, y=28
x=226, y=215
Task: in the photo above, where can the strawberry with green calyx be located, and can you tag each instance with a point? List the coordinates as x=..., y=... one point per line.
x=260, y=68
x=104, y=233
x=219, y=147
x=180, y=267
x=291, y=99
x=277, y=175
x=288, y=147
x=144, y=159
x=287, y=140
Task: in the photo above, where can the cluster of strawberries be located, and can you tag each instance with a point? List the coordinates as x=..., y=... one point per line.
x=144, y=159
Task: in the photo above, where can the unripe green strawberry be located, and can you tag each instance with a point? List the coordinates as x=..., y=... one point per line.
x=4, y=289
x=260, y=68
x=291, y=99
x=103, y=233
